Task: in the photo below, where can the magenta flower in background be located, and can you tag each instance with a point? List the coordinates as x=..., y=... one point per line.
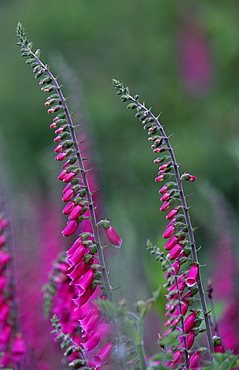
x=18, y=347
x=195, y=59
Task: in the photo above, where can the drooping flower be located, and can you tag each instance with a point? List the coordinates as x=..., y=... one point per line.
x=192, y=276
x=104, y=354
x=113, y=236
x=18, y=347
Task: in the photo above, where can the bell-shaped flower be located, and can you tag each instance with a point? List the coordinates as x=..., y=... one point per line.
x=104, y=354
x=85, y=281
x=192, y=276
x=18, y=347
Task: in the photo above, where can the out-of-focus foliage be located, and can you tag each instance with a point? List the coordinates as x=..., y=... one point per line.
x=141, y=43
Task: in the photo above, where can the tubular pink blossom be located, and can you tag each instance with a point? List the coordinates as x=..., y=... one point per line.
x=74, y=246
x=174, y=252
x=192, y=276
x=68, y=195
x=113, y=237
x=57, y=139
x=76, y=212
x=77, y=256
x=5, y=334
x=68, y=208
x=171, y=243
x=173, y=270
x=172, y=213
x=59, y=130
x=189, y=322
x=192, y=178
x=189, y=340
x=85, y=281
x=168, y=232
x=184, y=308
x=2, y=240
x=164, y=166
x=165, y=206
x=76, y=273
x=163, y=189
x=53, y=125
x=88, y=313
x=4, y=258
x=70, y=228
x=62, y=175
x=219, y=348
x=91, y=324
x=92, y=342
x=81, y=300
x=18, y=347
x=67, y=187
x=69, y=176
x=159, y=178
x=61, y=156
x=194, y=360
x=165, y=196
x=104, y=354
x=58, y=149
x=4, y=312
x=3, y=223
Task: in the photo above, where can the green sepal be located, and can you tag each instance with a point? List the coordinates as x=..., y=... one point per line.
x=30, y=60
x=38, y=53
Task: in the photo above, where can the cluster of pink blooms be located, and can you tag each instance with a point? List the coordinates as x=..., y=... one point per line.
x=84, y=324
x=181, y=285
x=83, y=269
x=12, y=345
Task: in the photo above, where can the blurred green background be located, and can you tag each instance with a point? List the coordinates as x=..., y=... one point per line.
x=182, y=57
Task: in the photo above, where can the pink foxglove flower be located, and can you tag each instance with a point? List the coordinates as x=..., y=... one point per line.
x=192, y=276
x=113, y=237
x=85, y=281
x=68, y=208
x=189, y=322
x=104, y=354
x=168, y=232
x=194, y=360
x=70, y=228
x=18, y=347
x=76, y=212
x=174, y=252
x=92, y=342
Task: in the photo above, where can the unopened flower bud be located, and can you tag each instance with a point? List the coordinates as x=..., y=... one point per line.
x=194, y=360
x=165, y=206
x=188, y=177
x=168, y=232
x=113, y=237
x=70, y=228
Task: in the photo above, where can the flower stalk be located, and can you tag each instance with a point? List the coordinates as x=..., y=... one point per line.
x=80, y=207
x=180, y=224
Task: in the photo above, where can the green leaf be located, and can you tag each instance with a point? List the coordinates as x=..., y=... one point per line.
x=128, y=328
